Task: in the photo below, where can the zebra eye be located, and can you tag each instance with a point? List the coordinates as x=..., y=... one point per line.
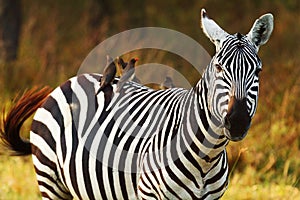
x=218, y=67
x=257, y=71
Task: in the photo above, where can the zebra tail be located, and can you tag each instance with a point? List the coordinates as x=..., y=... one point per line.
x=27, y=104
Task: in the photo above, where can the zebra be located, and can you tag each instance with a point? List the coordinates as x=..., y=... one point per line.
x=143, y=143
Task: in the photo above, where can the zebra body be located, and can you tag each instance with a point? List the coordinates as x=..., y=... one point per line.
x=138, y=143
x=135, y=168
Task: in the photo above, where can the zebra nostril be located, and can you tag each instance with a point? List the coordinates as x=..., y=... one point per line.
x=227, y=123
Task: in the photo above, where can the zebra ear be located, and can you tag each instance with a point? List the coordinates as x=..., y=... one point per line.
x=261, y=30
x=211, y=29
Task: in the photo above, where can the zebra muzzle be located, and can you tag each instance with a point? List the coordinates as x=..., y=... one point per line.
x=237, y=121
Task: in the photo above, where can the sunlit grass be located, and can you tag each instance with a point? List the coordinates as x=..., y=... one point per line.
x=262, y=192
x=18, y=180
x=247, y=186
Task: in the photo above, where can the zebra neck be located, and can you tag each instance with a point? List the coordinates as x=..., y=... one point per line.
x=200, y=136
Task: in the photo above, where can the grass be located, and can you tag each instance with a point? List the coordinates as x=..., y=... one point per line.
x=261, y=192
x=262, y=184
x=18, y=180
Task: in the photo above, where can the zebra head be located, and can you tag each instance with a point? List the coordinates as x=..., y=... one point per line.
x=232, y=75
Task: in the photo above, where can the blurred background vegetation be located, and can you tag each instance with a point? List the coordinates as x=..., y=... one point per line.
x=52, y=38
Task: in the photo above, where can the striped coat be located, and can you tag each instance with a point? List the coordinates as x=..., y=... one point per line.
x=124, y=150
